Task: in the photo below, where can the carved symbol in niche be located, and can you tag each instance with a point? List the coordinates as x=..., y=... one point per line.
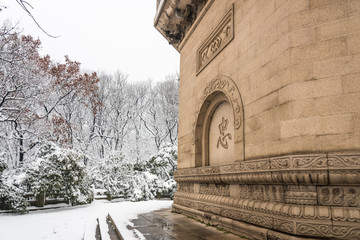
x=222, y=138
x=228, y=87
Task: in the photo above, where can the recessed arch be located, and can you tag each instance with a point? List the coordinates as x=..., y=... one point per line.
x=218, y=91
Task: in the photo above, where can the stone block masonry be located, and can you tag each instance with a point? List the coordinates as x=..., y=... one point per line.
x=269, y=112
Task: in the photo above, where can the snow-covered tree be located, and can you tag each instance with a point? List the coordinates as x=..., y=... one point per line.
x=21, y=89
x=142, y=186
x=161, y=113
x=39, y=99
x=57, y=123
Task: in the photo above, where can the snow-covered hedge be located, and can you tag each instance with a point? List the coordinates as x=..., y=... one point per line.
x=138, y=181
x=56, y=172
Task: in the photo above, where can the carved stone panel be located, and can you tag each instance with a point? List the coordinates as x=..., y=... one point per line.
x=339, y=196
x=215, y=189
x=300, y=194
x=217, y=40
x=221, y=136
x=186, y=187
x=273, y=193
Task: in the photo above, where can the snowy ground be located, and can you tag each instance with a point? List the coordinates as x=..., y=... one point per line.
x=74, y=222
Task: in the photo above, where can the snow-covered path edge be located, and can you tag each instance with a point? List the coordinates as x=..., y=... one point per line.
x=121, y=218
x=75, y=222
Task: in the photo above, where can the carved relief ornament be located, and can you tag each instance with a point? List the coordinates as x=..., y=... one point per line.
x=228, y=87
x=216, y=41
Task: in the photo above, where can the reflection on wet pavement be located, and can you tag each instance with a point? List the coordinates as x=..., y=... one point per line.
x=164, y=225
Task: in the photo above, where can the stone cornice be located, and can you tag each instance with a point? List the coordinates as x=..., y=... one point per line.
x=314, y=169
x=177, y=19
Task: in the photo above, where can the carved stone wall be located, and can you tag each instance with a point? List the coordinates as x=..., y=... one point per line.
x=290, y=71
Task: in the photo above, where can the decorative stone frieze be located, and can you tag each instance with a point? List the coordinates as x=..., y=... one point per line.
x=348, y=231
x=289, y=194
x=294, y=169
x=280, y=209
x=288, y=218
x=185, y=187
x=300, y=194
x=344, y=169
x=215, y=189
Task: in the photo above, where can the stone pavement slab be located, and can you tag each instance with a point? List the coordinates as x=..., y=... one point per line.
x=165, y=225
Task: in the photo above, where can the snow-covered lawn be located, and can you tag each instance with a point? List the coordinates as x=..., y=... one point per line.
x=74, y=222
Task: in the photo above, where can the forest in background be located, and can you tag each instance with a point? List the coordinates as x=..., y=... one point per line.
x=102, y=129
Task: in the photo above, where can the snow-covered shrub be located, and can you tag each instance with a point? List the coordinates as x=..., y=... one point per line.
x=163, y=164
x=3, y=162
x=111, y=173
x=141, y=186
x=138, y=181
x=154, y=178
x=168, y=188
x=58, y=172
x=12, y=190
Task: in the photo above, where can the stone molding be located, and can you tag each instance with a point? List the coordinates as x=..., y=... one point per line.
x=312, y=169
x=220, y=37
x=311, y=221
x=241, y=228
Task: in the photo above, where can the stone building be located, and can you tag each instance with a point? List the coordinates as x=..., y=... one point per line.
x=269, y=132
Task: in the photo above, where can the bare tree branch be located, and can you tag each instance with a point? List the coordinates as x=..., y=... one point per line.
x=24, y=5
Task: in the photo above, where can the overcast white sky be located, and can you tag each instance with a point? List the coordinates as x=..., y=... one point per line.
x=106, y=35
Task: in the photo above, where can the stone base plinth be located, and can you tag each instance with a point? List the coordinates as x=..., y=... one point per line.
x=236, y=227
x=310, y=196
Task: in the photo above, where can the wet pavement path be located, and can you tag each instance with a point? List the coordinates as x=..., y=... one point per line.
x=164, y=225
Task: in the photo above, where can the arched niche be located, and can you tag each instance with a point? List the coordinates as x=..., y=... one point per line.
x=218, y=133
